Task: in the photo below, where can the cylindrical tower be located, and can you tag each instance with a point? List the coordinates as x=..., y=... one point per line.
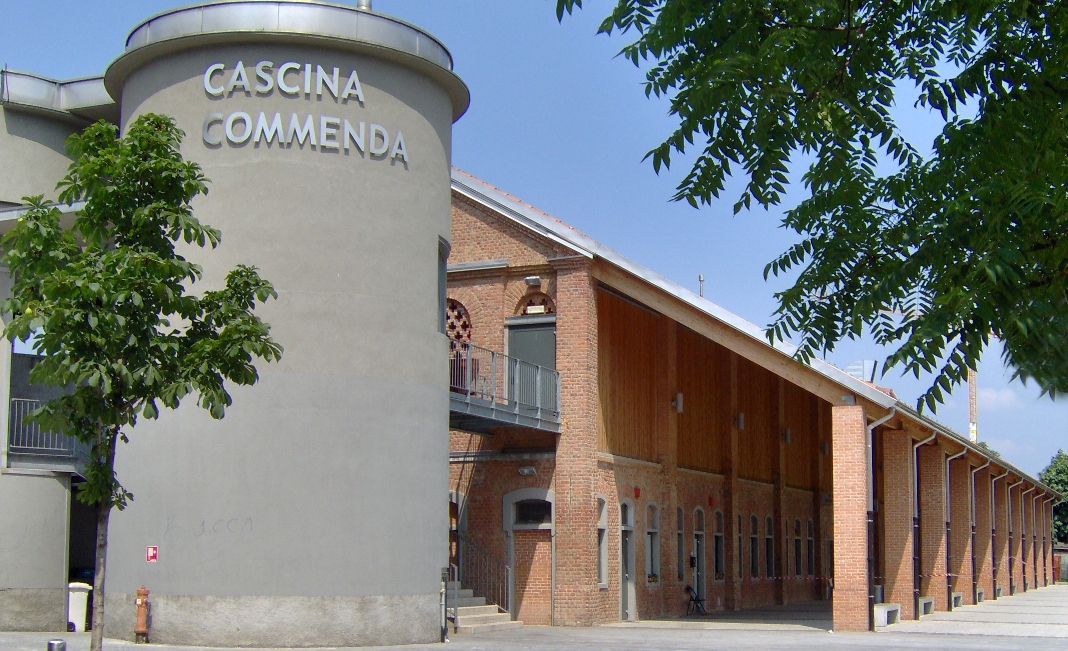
x=315, y=513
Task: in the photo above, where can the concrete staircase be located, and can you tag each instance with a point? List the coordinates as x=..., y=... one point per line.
x=474, y=615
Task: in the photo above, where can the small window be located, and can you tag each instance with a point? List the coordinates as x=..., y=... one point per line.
x=533, y=512
x=602, y=542
x=769, y=546
x=754, y=547
x=681, y=545
x=810, y=550
x=719, y=556
x=652, y=545
x=797, y=547
x=741, y=561
x=626, y=516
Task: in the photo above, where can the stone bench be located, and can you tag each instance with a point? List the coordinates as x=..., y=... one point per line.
x=887, y=614
x=925, y=606
x=957, y=600
x=980, y=595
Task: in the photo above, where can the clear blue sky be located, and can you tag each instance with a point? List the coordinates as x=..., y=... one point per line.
x=556, y=120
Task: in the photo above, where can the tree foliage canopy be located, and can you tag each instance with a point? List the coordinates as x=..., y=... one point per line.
x=932, y=253
x=107, y=300
x=1056, y=477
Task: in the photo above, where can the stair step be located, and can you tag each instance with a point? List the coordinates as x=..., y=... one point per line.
x=461, y=594
x=467, y=601
x=481, y=628
x=454, y=585
x=466, y=611
x=478, y=620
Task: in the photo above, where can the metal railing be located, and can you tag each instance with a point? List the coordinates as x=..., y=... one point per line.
x=496, y=378
x=485, y=574
x=26, y=437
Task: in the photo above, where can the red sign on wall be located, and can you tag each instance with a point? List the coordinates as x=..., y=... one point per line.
x=151, y=554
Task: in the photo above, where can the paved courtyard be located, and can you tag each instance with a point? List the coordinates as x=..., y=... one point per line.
x=1031, y=621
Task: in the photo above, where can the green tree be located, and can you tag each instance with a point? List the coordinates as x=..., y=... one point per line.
x=109, y=305
x=1056, y=477
x=963, y=243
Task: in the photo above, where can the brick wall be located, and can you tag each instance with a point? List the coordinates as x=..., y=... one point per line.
x=1001, y=535
x=933, y=526
x=849, y=461
x=960, y=528
x=533, y=576
x=897, y=509
x=1015, y=539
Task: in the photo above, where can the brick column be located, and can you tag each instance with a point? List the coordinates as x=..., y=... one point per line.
x=576, y=595
x=850, y=501
x=933, y=525
x=960, y=528
x=778, y=501
x=1015, y=584
x=1029, y=528
x=897, y=521
x=1001, y=535
x=1047, y=521
x=983, y=565
x=670, y=594
x=732, y=488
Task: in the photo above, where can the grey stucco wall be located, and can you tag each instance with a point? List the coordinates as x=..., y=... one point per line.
x=32, y=154
x=33, y=551
x=323, y=493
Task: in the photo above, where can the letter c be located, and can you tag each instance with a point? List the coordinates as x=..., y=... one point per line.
x=208, y=121
x=208, y=88
x=282, y=85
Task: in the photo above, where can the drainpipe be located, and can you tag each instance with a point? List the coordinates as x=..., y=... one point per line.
x=971, y=501
x=871, y=511
x=917, y=548
x=975, y=470
x=871, y=467
x=947, y=511
x=1024, y=532
x=994, y=532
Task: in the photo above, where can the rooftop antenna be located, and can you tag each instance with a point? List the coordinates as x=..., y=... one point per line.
x=973, y=406
x=701, y=285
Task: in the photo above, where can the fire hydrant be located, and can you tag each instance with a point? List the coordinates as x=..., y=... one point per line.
x=141, y=632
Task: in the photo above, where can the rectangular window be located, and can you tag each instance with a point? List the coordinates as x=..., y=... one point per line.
x=681, y=560
x=721, y=566
x=797, y=556
x=602, y=543
x=754, y=557
x=652, y=544
x=741, y=561
x=769, y=556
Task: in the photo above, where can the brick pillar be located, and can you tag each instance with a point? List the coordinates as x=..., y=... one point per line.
x=1001, y=535
x=933, y=525
x=732, y=488
x=1015, y=583
x=850, y=504
x=670, y=594
x=778, y=501
x=897, y=521
x=960, y=528
x=1029, y=519
x=1047, y=522
x=983, y=565
x=576, y=596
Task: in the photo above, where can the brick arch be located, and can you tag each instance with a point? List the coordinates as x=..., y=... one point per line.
x=470, y=300
x=517, y=292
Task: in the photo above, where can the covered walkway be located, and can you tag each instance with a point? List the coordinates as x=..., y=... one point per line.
x=1035, y=613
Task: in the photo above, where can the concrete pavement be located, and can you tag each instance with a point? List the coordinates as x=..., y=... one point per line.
x=1039, y=613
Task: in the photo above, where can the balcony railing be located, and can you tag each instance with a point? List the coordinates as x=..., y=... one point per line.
x=25, y=437
x=489, y=386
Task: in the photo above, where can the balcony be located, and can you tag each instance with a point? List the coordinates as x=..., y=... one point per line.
x=30, y=447
x=488, y=390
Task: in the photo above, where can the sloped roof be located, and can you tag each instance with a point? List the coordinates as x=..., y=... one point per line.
x=548, y=226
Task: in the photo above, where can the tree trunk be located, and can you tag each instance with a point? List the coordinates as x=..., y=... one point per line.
x=102, y=517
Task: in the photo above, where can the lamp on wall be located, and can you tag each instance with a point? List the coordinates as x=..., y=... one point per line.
x=527, y=471
x=677, y=403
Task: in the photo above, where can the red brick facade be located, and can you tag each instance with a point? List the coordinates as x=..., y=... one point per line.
x=803, y=498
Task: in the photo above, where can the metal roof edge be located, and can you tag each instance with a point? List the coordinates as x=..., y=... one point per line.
x=10, y=214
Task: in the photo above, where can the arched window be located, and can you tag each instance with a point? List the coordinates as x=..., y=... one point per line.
x=769, y=547
x=652, y=544
x=719, y=557
x=602, y=542
x=457, y=321
x=797, y=547
x=535, y=304
x=754, y=546
x=810, y=550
